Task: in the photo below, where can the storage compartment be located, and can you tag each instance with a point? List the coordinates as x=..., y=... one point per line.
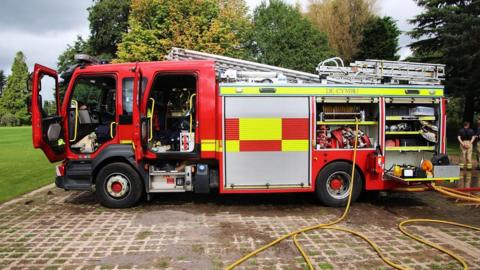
x=411, y=127
x=336, y=123
x=411, y=135
x=170, y=180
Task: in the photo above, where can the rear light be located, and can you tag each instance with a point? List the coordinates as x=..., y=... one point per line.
x=60, y=170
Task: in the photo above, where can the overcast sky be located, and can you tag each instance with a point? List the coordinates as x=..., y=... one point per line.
x=42, y=29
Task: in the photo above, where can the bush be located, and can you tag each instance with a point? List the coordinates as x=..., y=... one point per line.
x=9, y=119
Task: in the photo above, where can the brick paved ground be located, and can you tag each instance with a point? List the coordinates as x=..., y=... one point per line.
x=69, y=230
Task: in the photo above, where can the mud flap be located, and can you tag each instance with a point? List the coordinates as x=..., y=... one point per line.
x=201, y=183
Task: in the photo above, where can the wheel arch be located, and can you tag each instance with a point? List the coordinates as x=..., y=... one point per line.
x=357, y=168
x=116, y=153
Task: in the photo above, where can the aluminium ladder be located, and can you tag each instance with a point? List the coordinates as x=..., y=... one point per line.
x=235, y=70
x=331, y=70
x=381, y=72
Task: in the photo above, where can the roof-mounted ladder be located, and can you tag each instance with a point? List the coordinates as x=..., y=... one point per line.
x=237, y=70
x=331, y=70
x=381, y=72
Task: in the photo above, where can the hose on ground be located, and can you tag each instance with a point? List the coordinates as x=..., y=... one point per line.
x=330, y=225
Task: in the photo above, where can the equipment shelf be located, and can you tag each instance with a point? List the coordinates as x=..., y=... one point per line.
x=451, y=179
x=410, y=118
x=403, y=132
x=410, y=148
x=363, y=123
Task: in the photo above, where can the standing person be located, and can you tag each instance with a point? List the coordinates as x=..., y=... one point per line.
x=465, y=137
x=477, y=143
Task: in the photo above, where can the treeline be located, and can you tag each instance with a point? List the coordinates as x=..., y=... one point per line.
x=276, y=33
x=279, y=34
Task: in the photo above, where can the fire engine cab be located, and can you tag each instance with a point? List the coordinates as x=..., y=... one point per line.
x=205, y=123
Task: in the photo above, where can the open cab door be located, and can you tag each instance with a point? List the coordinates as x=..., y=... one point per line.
x=139, y=125
x=47, y=122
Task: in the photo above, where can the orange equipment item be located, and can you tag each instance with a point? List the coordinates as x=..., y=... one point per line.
x=427, y=165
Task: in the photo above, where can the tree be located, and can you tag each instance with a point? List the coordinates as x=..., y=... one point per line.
x=343, y=21
x=380, y=40
x=66, y=59
x=282, y=37
x=215, y=26
x=14, y=97
x=108, y=21
x=448, y=32
x=2, y=81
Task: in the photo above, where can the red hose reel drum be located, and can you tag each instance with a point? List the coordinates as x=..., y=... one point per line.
x=345, y=136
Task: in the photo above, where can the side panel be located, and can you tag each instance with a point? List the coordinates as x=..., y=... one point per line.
x=266, y=142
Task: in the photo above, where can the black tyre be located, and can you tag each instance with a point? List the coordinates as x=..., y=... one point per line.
x=333, y=182
x=118, y=185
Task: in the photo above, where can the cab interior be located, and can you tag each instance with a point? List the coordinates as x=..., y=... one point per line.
x=91, y=116
x=171, y=113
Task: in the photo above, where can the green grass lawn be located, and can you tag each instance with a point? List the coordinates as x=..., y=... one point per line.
x=22, y=168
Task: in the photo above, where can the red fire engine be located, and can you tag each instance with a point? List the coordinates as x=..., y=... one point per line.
x=207, y=123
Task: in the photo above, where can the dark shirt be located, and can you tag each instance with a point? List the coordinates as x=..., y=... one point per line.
x=466, y=134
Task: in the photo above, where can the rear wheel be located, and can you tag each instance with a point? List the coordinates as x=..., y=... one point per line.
x=332, y=185
x=118, y=185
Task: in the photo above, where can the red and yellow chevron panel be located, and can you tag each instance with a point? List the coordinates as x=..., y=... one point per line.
x=266, y=134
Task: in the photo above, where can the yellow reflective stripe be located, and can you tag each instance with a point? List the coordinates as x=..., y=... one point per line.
x=294, y=145
x=232, y=146
x=333, y=91
x=209, y=145
x=128, y=142
x=260, y=128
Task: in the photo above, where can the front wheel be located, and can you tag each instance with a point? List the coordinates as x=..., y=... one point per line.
x=118, y=185
x=332, y=184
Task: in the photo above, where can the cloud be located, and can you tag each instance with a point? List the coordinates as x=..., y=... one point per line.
x=41, y=48
x=46, y=15
x=41, y=29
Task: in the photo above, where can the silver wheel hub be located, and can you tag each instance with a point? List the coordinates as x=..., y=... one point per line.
x=338, y=184
x=118, y=185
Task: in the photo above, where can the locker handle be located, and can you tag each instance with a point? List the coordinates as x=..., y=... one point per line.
x=268, y=90
x=412, y=92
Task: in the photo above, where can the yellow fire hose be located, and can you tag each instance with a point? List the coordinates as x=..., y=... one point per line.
x=330, y=225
